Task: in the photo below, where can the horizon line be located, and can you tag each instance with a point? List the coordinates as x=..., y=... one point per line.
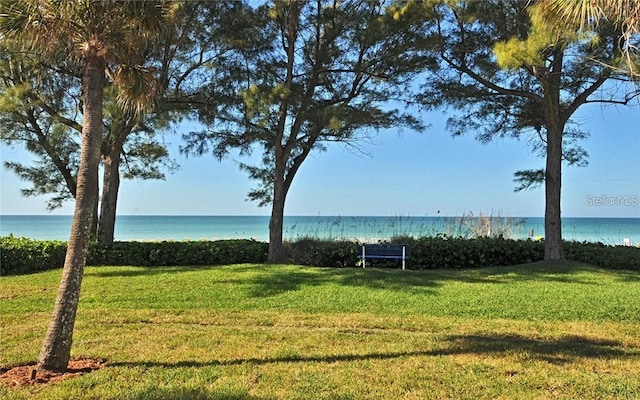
x=322, y=216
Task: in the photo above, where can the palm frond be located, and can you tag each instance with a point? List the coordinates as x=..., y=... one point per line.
x=588, y=14
x=137, y=89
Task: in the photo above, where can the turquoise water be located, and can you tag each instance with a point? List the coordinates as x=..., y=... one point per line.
x=55, y=227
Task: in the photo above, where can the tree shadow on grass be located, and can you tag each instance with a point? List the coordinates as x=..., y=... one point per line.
x=269, y=280
x=554, y=351
x=134, y=271
x=542, y=271
x=571, y=272
x=183, y=393
x=277, y=281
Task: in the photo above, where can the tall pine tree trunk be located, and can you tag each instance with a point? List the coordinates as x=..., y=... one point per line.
x=555, y=124
x=109, y=200
x=56, y=349
x=276, y=222
x=553, y=188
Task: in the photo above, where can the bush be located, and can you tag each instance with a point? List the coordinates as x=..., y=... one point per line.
x=178, y=253
x=154, y=254
x=611, y=257
x=448, y=252
x=322, y=253
x=426, y=252
x=21, y=255
x=454, y=252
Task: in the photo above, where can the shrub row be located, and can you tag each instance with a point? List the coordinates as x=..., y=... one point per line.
x=426, y=253
x=20, y=255
x=152, y=254
x=434, y=252
x=23, y=256
x=611, y=257
x=448, y=252
x=322, y=253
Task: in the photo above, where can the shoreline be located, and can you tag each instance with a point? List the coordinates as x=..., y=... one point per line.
x=610, y=231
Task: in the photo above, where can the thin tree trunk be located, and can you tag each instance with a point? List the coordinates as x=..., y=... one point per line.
x=56, y=349
x=109, y=200
x=94, y=223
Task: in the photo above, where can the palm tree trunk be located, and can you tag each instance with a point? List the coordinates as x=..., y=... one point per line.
x=56, y=349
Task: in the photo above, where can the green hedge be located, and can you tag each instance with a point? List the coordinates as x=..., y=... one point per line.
x=322, y=253
x=20, y=255
x=153, y=254
x=23, y=256
x=611, y=257
x=426, y=253
x=448, y=252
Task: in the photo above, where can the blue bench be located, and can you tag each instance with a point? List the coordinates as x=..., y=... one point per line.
x=384, y=252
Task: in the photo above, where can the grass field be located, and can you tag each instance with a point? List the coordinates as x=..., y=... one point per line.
x=540, y=331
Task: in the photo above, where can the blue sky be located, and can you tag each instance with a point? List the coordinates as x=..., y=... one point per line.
x=402, y=174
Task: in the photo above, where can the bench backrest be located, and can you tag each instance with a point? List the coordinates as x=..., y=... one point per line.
x=387, y=249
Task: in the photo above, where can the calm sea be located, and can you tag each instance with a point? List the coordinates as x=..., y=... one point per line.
x=605, y=230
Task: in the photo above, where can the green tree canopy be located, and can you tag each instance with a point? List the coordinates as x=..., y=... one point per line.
x=506, y=73
x=40, y=110
x=320, y=72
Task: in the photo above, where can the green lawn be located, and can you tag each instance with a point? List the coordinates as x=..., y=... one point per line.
x=287, y=332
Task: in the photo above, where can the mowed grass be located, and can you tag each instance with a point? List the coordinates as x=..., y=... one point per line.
x=538, y=331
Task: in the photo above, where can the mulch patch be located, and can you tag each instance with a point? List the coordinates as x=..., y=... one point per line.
x=25, y=375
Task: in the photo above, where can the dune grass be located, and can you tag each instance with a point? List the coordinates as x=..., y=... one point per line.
x=543, y=331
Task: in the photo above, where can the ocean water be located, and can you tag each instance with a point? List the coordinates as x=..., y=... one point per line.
x=369, y=229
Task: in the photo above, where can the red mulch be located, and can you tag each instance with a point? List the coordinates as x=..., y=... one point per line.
x=22, y=375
